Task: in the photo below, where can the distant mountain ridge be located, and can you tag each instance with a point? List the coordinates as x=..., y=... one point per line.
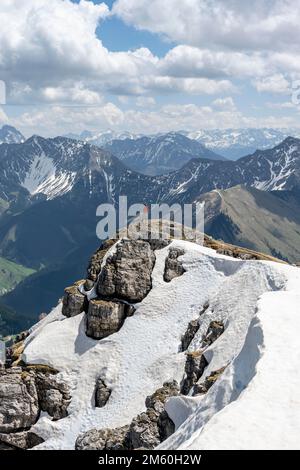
x=236, y=143
x=229, y=143
x=102, y=138
x=160, y=154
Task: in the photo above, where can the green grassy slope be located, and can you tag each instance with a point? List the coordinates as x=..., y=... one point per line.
x=11, y=274
x=255, y=219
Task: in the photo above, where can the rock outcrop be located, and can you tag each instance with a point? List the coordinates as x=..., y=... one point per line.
x=202, y=388
x=24, y=393
x=19, y=407
x=195, y=361
x=173, y=267
x=190, y=333
x=124, y=279
x=126, y=274
x=192, y=329
x=102, y=393
x=154, y=426
x=146, y=431
x=53, y=395
x=104, y=318
x=215, y=330
x=95, y=264
x=194, y=368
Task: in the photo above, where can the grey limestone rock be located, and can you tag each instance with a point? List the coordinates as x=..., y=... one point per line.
x=19, y=407
x=103, y=439
x=127, y=272
x=104, y=318
x=74, y=302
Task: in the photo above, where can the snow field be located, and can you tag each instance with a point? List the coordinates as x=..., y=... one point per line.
x=145, y=353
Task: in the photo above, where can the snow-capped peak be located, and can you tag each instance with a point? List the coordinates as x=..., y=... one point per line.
x=10, y=135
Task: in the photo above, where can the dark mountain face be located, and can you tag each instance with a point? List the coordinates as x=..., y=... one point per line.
x=10, y=135
x=159, y=155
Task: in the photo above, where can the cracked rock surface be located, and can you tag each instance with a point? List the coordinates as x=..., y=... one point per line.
x=127, y=272
x=19, y=407
x=104, y=318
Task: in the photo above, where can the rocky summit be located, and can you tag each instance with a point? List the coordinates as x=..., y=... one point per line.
x=151, y=345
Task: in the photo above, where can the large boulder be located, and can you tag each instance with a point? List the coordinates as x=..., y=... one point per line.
x=74, y=302
x=19, y=407
x=54, y=396
x=104, y=318
x=103, y=439
x=127, y=272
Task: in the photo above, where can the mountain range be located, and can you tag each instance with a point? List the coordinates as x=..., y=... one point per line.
x=229, y=143
x=151, y=155
x=50, y=189
x=236, y=143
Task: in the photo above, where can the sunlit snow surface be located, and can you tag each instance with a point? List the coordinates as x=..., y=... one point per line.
x=256, y=401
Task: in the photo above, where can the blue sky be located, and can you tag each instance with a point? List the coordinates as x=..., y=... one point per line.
x=148, y=67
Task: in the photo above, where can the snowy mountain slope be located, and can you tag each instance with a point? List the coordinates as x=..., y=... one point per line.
x=59, y=166
x=40, y=166
x=10, y=135
x=279, y=167
x=236, y=143
x=160, y=154
x=268, y=170
x=56, y=167
x=144, y=353
x=255, y=404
